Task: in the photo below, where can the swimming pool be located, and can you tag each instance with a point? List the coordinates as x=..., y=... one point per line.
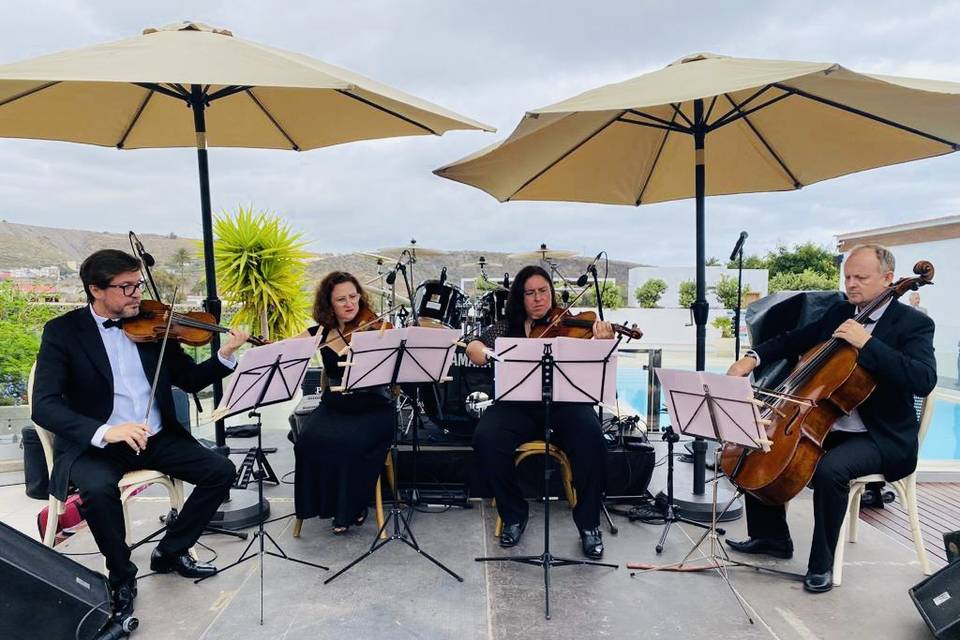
x=942, y=441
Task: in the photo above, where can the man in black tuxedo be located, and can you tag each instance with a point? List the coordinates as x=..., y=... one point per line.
x=879, y=436
x=92, y=390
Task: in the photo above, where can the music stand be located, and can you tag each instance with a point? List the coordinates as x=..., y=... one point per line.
x=719, y=408
x=393, y=356
x=265, y=375
x=587, y=373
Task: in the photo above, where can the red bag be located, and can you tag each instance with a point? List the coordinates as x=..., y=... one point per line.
x=69, y=521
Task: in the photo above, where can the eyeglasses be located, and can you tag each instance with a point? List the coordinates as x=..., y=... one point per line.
x=128, y=289
x=344, y=300
x=542, y=292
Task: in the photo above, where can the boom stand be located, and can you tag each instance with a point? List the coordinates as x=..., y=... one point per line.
x=546, y=559
x=237, y=400
x=401, y=523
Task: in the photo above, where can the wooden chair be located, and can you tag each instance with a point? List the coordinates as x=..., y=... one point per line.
x=906, y=489
x=378, y=500
x=129, y=484
x=539, y=448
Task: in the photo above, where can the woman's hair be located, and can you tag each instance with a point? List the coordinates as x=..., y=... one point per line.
x=323, y=305
x=516, y=313
x=102, y=266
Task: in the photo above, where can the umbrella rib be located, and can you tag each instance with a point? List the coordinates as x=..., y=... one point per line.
x=395, y=114
x=28, y=92
x=159, y=88
x=783, y=165
x=566, y=154
x=737, y=113
x=667, y=124
x=276, y=124
x=713, y=103
x=677, y=109
x=870, y=116
x=729, y=113
x=225, y=92
x=653, y=165
x=135, y=120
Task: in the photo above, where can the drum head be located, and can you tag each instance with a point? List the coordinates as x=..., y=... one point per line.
x=440, y=303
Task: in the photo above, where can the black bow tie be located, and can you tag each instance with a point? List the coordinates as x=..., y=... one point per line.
x=112, y=323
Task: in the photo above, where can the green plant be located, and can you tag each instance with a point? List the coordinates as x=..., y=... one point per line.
x=725, y=325
x=21, y=323
x=803, y=257
x=749, y=262
x=261, y=268
x=688, y=293
x=649, y=293
x=610, y=294
x=726, y=292
x=808, y=280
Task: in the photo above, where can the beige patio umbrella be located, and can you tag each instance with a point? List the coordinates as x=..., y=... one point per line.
x=131, y=94
x=711, y=125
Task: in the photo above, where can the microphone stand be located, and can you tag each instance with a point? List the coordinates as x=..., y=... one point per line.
x=738, y=252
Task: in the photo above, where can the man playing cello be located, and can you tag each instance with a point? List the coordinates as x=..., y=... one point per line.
x=880, y=436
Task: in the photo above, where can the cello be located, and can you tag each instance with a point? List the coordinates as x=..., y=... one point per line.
x=826, y=383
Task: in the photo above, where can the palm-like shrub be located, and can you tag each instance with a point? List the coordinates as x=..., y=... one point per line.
x=261, y=268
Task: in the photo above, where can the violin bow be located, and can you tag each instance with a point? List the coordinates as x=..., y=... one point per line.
x=565, y=309
x=156, y=373
x=361, y=327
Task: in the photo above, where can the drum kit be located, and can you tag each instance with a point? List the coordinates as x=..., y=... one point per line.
x=439, y=303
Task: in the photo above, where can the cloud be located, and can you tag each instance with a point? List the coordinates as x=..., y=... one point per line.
x=492, y=61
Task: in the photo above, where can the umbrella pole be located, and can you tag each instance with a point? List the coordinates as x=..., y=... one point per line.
x=212, y=302
x=243, y=508
x=694, y=505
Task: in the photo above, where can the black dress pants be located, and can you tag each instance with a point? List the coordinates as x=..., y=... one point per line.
x=848, y=456
x=97, y=471
x=576, y=430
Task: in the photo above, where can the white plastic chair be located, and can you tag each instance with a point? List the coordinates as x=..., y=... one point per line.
x=906, y=489
x=129, y=483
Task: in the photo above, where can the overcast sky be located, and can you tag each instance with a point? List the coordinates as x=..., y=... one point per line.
x=490, y=60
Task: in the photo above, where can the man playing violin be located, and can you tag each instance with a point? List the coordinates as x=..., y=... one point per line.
x=506, y=425
x=92, y=390
x=880, y=436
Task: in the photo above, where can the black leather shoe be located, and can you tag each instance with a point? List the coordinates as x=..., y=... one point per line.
x=766, y=546
x=123, y=596
x=512, y=533
x=591, y=541
x=818, y=582
x=182, y=564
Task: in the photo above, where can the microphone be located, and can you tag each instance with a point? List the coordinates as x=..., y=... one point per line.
x=140, y=251
x=739, y=246
x=591, y=268
x=443, y=275
x=392, y=276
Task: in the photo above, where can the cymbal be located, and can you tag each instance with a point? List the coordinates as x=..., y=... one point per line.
x=376, y=256
x=377, y=291
x=481, y=262
x=413, y=248
x=543, y=253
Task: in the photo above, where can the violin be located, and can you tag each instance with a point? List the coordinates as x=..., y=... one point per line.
x=562, y=323
x=194, y=328
x=365, y=320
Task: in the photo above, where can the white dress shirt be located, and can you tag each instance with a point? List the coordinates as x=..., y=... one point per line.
x=131, y=387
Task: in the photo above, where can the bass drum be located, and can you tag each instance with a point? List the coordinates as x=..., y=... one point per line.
x=448, y=407
x=439, y=304
x=492, y=307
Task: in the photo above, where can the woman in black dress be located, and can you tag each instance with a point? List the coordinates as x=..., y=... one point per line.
x=344, y=442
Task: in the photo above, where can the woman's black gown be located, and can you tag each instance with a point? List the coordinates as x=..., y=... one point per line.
x=341, y=450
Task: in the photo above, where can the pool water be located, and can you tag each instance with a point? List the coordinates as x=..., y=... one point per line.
x=941, y=443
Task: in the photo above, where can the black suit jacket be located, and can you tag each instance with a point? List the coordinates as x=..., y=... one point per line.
x=73, y=386
x=900, y=357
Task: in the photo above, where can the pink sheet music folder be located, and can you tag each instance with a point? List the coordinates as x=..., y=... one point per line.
x=580, y=374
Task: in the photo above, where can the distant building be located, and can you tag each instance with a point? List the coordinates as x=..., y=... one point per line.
x=936, y=240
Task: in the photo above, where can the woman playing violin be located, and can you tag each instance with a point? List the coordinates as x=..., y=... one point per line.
x=344, y=442
x=530, y=305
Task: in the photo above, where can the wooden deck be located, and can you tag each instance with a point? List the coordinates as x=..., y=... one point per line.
x=939, y=513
